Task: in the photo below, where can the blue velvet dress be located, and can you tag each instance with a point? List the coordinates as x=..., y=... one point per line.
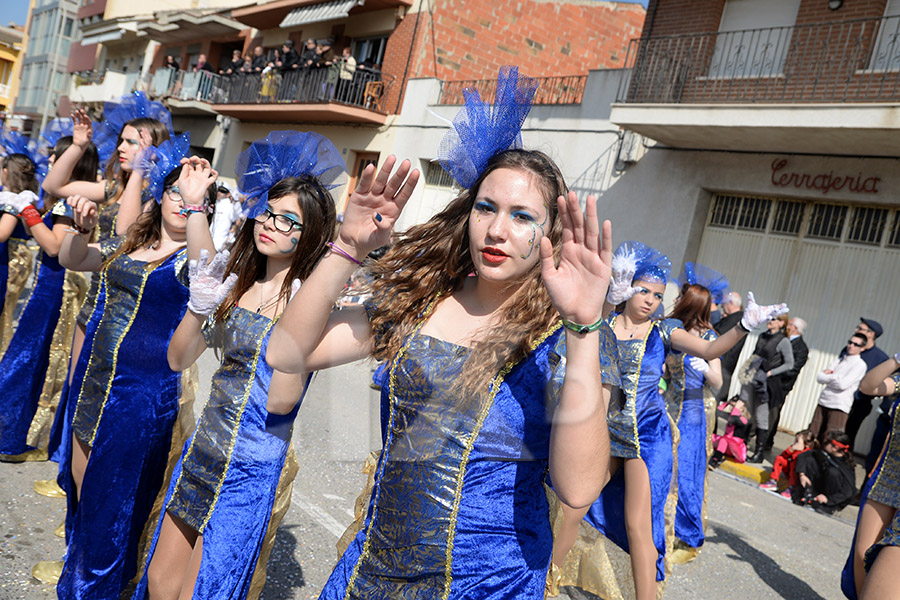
x=639, y=428
x=458, y=509
x=685, y=402
x=233, y=467
x=125, y=410
x=106, y=229
x=23, y=367
x=882, y=486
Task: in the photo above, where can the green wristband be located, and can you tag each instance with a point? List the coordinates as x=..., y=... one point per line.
x=577, y=328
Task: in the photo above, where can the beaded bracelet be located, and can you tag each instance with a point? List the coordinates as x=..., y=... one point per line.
x=577, y=328
x=335, y=248
x=195, y=208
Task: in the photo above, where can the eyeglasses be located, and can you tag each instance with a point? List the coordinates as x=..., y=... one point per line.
x=857, y=344
x=174, y=194
x=283, y=223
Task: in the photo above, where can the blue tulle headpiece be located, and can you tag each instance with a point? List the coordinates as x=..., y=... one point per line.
x=283, y=154
x=55, y=129
x=13, y=142
x=118, y=112
x=650, y=264
x=715, y=282
x=481, y=131
x=156, y=162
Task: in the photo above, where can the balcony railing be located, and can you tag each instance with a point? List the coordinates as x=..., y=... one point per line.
x=566, y=89
x=846, y=61
x=366, y=89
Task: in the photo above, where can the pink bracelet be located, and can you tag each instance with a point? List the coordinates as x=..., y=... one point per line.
x=196, y=208
x=334, y=247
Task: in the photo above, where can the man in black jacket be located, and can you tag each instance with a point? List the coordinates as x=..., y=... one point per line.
x=732, y=311
x=874, y=356
x=796, y=328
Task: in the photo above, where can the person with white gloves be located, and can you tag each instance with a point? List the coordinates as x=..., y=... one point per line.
x=232, y=483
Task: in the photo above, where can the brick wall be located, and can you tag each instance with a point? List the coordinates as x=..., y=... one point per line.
x=472, y=40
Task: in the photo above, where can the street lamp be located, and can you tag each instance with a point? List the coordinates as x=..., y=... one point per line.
x=835, y=4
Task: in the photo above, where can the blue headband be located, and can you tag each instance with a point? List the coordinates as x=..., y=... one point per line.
x=283, y=154
x=481, y=131
x=156, y=162
x=13, y=142
x=116, y=113
x=651, y=264
x=697, y=274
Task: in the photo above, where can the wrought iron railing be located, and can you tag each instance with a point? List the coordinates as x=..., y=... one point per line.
x=366, y=89
x=846, y=61
x=565, y=89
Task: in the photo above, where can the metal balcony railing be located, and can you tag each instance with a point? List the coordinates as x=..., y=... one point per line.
x=846, y=61
x=366, y=89
x=565, y=89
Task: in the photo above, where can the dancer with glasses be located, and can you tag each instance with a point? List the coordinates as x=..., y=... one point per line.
x=840, y=378
x=232, y=485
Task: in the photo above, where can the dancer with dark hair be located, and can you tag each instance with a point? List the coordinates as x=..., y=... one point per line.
x=233, y=482
x=690, y=400
x=492, y=378
x=126, y=406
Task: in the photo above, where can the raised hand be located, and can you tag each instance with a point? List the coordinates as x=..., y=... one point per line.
x=624, y=267
x=146, y=138
x=577, y=286
x=207, y=288
x=375, y=205
x=194, y=181
x=82, y=128
x=84, y=212
x=754, y=314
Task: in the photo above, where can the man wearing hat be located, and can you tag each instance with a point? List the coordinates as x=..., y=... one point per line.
x=873, y=356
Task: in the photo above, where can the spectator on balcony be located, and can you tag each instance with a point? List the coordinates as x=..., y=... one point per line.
x=258, y=63
x=347, y=70
x=290, y=60
x=309, y=58
x=171, y=63
x=234, y=66
x=203, y=65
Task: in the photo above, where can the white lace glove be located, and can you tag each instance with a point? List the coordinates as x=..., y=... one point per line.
x=295, y=287
x=755, y=314
x=14, y=203
x=897, y=357
x=699, y=365
x=624, y=267
x=206, y=285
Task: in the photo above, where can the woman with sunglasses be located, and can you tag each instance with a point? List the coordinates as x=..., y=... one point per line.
x=232, y=485
x=126, y=408
x=841, y=379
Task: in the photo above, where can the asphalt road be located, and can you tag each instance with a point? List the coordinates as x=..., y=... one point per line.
x=758, y=546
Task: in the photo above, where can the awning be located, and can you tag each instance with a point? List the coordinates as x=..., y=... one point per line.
x=316, y=13
x=103, y=37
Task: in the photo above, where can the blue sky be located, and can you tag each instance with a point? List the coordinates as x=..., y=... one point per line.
x=15, y=11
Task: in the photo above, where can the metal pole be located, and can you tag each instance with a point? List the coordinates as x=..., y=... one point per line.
x=62, y=24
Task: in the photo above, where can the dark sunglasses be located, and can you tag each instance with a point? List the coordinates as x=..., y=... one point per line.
x=857, y=344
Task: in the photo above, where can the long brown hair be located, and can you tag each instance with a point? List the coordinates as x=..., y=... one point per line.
x=20, y=173
x=319, y=220
x=147, y=229
x=85, y=169
x=433, y=259
x=115, y=174
x=693, y=307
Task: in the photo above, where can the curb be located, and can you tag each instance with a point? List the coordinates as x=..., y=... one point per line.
x=752, y=473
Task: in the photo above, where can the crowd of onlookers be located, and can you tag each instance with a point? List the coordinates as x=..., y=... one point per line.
x=818, y=468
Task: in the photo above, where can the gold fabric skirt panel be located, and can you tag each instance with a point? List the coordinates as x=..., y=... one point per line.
x=361, y=505
x=74, y=290
x=21, y=259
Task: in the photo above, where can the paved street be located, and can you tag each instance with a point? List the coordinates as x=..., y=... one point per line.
x=758, y=545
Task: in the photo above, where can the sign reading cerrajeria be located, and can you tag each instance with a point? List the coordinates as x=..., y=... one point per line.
x=782, y=176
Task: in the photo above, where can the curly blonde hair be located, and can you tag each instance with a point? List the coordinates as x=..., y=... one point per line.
x=433, y=259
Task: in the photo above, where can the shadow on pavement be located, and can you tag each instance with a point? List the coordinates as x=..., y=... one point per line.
x=782, y=583
x=284, y=572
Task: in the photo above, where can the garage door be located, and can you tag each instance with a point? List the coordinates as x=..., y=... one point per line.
x=831, y=262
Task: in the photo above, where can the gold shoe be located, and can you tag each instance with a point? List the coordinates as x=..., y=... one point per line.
x=49, y=488
x=554, y=576
x=684, y=554
x=60, y=531
x=47, y=571
x=34, y=455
